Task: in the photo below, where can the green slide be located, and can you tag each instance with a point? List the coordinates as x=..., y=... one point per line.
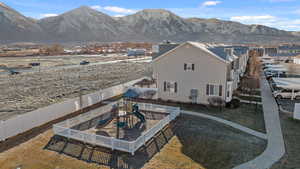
x=138, y=114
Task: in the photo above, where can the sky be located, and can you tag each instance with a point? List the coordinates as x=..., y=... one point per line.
x=281, y=14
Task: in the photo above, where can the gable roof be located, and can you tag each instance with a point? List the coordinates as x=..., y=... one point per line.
x=163, y=48
x=215, y=50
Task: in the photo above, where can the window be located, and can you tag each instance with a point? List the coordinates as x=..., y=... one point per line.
x=189, y=67
x=170, y=87
x=214, y=90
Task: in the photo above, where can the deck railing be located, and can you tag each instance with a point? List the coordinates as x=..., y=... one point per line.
x=64, y=128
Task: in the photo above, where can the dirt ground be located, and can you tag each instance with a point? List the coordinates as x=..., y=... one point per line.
x=188, y=143
x=29, y=91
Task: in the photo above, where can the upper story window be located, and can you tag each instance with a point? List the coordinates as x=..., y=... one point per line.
x=189, y=67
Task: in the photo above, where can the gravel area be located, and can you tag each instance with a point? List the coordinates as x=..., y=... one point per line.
x=29, y=91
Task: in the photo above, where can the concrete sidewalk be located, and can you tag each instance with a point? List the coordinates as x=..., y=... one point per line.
x=275, y=148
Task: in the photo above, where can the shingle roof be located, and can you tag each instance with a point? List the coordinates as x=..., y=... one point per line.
x=284, y=54
x=240, y=50
x=164, y=48
x=218, y=51
x=289, y=47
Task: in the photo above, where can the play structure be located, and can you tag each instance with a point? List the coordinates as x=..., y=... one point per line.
x=122, y=116
x=122, y=125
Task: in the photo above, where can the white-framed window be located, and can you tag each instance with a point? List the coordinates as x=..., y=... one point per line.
x=171, y=87
x=214, y=90
x=189, y=67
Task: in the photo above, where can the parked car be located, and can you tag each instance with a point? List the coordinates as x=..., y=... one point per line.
x=275, y=73
x=272, y=67
x=34, y=64
x=286, y=94
x=13, y=72
x=84, y=62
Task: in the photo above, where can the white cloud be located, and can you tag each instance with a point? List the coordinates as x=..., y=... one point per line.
x=118, y=16
x=97, y=7
x=253, y=19
x=211, y=3
x=48, y=15
x=269, y=20
x=119, y=10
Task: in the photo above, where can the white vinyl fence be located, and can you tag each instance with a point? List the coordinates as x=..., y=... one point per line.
x=27, y=121
x=64, y=128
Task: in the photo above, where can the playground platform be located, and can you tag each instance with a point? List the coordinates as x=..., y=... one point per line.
x=115, y=126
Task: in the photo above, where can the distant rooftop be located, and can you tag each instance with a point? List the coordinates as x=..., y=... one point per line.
x=289, y=47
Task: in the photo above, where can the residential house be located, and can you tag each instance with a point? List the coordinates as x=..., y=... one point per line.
x=289, y=49
x=194, y=72
x=270, y=50
x=242, y=52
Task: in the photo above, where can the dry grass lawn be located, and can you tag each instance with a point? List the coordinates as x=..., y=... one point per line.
x=171, y=157
x=31, y=155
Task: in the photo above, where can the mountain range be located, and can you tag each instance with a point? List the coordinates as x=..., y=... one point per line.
x=151, y=25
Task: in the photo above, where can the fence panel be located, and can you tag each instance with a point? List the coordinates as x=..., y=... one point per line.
x=22, y=123
x=121, y=145
x=103, y=141
x=127, y=146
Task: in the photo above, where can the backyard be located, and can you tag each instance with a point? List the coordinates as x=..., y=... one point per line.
x=189, y=142
x=248, y=115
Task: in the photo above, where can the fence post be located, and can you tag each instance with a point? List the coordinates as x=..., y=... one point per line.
x=94, y=139
x=2, y=131
x=112, y=143
x=144, y=138
x=68, y=123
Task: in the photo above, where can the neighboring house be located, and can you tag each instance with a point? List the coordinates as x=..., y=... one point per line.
x=194, y=72
x=136, y=52
x=242, y=52
x=289, y=49
x=162, y=48
x=270, y=51
x=296, y=59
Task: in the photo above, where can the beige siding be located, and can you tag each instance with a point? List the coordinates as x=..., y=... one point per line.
x=208, y=69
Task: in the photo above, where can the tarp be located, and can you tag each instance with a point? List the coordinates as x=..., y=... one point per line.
x=131, y=93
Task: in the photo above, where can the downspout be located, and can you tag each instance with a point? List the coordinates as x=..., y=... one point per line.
x=226, y=82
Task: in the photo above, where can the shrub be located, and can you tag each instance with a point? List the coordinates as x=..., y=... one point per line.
x=235, y=103
x=216, y=101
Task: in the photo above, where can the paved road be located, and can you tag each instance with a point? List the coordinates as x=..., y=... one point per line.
x=275, y=147
x=37, y=69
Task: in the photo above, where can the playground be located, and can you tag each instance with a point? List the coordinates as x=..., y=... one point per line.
x=123, y=125
x=124, y=122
